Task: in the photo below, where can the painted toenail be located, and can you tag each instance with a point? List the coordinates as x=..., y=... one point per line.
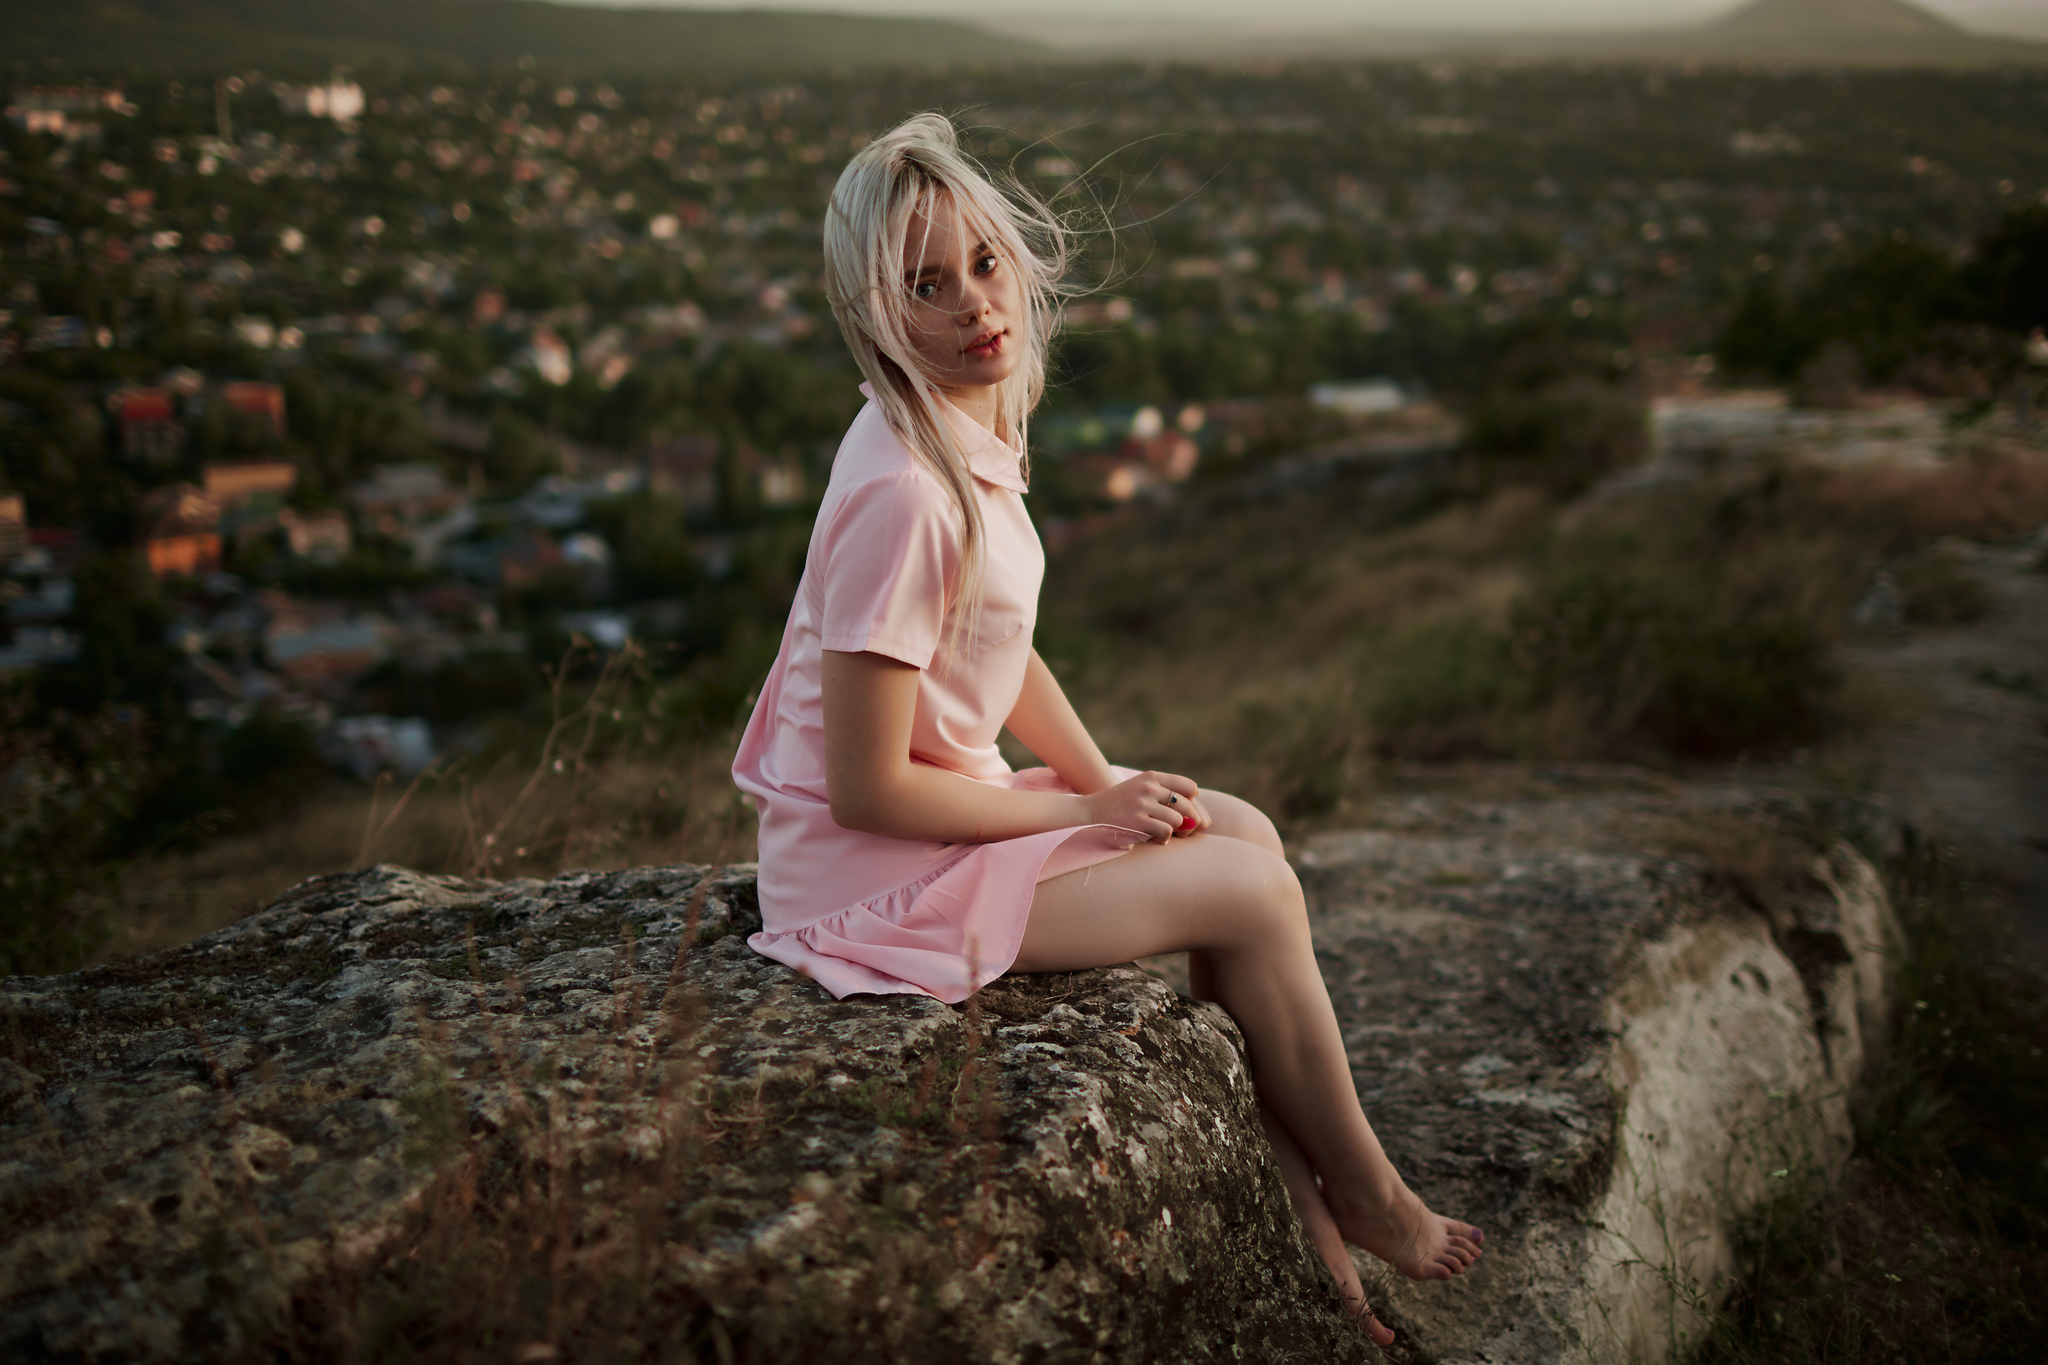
x=1478, y=1236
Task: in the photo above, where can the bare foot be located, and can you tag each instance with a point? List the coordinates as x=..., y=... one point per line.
x=1403, y=1232
x=1306, y=1195
x=1329, y=1244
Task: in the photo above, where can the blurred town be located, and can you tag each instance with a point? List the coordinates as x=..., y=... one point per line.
x=333, y=407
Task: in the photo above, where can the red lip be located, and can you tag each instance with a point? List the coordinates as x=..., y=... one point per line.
x=990, y=341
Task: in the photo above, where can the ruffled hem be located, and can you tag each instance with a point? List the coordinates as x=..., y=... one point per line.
x=949, y=933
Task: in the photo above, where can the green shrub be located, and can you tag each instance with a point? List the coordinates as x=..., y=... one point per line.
x=1939, y=591
x=1651, y=658
x=1933, y=1244
x=1624, y=659
x=1441, y=691
x=65, y=791
x=1563, y=436
x=268, y=763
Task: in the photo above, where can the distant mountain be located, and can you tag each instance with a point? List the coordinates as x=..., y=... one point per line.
x=2010, y=20
x=1839, y=30
x=216, y=35
x=1877, y=32
x=1803, y=20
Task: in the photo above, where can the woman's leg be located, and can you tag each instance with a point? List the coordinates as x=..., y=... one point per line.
x=1321, y=1226
x=1240, y=906
x=1239, y=819
x=1232, y=818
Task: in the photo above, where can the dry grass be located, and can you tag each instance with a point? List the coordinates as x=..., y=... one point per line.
x=1934, y=1246
x=580, y=1196
x=1247, y=646
x=1235, y=647
x=605, y=786
x=1996, y=488
x=1274, y=650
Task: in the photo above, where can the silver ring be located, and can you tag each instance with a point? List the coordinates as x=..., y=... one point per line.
x=1172, y=800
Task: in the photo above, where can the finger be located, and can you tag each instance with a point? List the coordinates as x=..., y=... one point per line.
x=1181, y=786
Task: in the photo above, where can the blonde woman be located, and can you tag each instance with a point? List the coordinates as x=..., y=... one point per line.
x=899, y=852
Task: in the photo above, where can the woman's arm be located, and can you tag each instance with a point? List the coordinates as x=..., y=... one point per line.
x=1044, y=722
x=870, y=701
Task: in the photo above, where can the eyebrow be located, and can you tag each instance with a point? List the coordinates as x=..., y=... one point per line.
x=980, y=249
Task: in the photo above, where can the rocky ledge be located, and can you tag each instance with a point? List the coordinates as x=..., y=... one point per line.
x=579, y=1119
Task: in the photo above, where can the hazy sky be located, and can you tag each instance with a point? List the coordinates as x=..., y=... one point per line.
x=1439, y=14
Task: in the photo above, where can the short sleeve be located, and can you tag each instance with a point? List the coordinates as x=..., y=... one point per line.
x=889, y=556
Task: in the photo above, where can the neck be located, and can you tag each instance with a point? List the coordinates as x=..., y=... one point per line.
x=977, y=401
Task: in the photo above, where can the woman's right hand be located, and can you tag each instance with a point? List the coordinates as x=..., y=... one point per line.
x=1157, y=805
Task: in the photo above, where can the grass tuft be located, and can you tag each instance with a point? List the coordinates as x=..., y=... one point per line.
x=1934, y=1246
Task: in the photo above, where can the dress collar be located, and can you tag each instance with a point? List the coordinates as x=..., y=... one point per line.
x=991, y=460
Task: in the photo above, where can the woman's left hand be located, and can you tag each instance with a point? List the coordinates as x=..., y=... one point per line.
x=1194, y=818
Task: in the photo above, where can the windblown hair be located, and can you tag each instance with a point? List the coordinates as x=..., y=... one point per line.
x=902, y=173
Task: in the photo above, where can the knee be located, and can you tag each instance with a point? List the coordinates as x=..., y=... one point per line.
x=1268, y=897
x=1235, y=818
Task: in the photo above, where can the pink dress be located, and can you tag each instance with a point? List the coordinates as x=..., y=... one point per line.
x=867, y=912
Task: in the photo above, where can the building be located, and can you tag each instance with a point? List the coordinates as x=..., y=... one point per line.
x=777, y=480
x=253, y=398
x=62, y=109
x=1358, y=397
x=1170, y=456
x=322, y=537
x=250, y=490
x=336, y=99
x=13, y=527
x=183, y=535
x=685, y=467
x=325, y=654
x=524, y=559
x=401, y=494
x=35, y=646
x=149, y=425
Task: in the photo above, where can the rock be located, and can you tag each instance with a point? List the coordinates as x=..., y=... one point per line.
x=1882, y=606
x=1598, y=1026
x=279, y=1113
x=1605, y=1030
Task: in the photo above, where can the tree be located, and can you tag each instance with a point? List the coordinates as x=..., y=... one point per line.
x=2007, y=283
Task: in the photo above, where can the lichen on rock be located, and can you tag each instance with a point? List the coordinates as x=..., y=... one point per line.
x=232, y=1145
x=580, y=1119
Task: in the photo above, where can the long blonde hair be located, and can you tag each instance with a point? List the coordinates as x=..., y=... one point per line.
x=867, y=224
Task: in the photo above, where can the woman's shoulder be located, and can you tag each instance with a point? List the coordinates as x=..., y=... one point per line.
x=870, y=448
x=875, y=467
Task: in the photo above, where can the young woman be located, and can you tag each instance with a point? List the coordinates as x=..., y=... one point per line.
x=899, y=852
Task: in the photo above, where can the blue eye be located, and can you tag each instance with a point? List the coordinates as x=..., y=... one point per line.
x=924, y=290
x=985, y=264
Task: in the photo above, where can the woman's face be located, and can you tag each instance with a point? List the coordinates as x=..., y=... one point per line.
x=966, y=306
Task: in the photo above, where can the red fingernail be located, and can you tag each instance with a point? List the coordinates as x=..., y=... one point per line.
x=1187, y=822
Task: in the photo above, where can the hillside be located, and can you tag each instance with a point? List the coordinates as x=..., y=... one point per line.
x=1841, y=30
x=278, y=35
x=1858, y=32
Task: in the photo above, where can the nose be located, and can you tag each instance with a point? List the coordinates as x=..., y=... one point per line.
x=974, y=302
